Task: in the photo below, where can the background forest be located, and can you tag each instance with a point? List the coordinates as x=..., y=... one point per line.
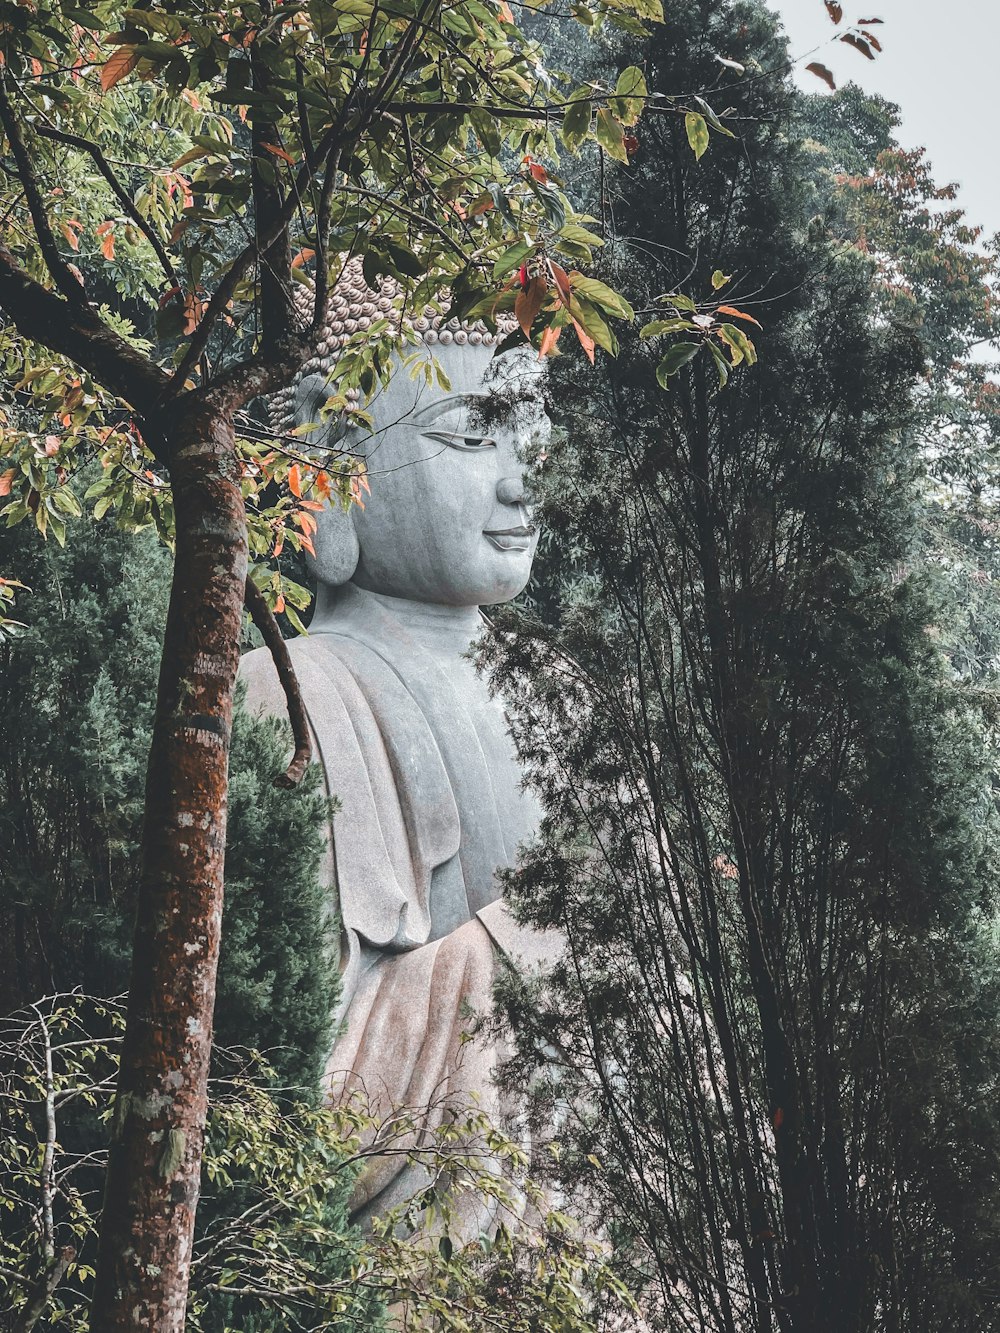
x=755, y=683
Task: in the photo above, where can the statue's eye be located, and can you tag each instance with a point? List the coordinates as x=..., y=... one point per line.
x=459, y=440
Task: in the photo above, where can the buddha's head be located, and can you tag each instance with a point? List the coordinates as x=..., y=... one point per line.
x=447, y=520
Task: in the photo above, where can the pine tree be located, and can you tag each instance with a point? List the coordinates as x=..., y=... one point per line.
x=769, y=825
x=77, y=689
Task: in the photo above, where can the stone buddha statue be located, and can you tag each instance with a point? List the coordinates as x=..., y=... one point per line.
x=413, y=747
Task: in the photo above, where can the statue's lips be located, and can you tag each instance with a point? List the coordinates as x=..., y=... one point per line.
x=510, y=539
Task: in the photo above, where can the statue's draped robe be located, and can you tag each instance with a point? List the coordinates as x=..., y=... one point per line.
x=418, y=756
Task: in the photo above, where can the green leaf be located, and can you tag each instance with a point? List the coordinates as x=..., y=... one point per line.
x=713, y=119
x=679, y=355
x=593, y=323
x=697, y=133
x=572, y=231
x=576, y=122
x=630, y=95
x=739, y=344
x=610, y=136
x=512, y=259
x=720, y=363
x=719, y=279
x=602, y=296
x=658, y=326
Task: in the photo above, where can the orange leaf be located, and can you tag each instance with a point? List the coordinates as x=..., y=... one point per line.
x=586, y=341
x=279, y=152
x=279, y=605
x=108, y=245
x=307, y=542
x=302, y=257
x=295, y=480
x=506, y=13
x=117, y=66
x=529, y=302
x=7, y=480
x=549, y=339
x=51, y=445
x=71, y=230
x=738, y=314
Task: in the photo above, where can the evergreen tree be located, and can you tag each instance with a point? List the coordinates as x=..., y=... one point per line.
x=76, y=689
x=772, y=1044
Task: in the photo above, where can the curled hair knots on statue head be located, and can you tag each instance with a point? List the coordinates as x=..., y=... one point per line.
x=352, y=309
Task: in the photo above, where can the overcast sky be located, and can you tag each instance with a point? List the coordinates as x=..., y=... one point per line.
x=941, y=64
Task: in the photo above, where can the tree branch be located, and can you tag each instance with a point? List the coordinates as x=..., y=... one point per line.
x=263, y=618
x=69, y=285
x=119, y=191
x=42, y=1294
x=75, y=331
x=270, y=218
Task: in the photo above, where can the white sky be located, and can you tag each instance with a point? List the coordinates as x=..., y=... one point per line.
x=941, y=64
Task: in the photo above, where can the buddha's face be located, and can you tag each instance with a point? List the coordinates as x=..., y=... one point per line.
x=447, y=520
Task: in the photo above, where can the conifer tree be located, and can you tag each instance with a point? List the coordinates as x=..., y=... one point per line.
x=78, y=690
x=771, y=1046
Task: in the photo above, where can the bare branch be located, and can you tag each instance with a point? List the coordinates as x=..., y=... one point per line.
x=38, y=1302
x=264, y=619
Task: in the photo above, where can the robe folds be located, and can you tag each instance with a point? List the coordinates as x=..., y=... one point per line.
x=417, y=756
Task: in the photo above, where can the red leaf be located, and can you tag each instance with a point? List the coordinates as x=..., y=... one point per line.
x=7, y=480
x=835, y=11
x=779, y=1118
x=295, y=480
x=529, y=302
x=859, y=44
x=823, y=73
x=117, y=66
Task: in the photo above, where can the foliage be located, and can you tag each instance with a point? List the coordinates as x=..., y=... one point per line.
x=274, y=1249
x=71, y=776
x=157, y=140
x=769, y=832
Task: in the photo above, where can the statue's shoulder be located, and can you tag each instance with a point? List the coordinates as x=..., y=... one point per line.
x=327, y=672
x=264, y=694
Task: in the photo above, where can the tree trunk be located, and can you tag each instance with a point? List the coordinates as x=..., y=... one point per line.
x=158, y=1125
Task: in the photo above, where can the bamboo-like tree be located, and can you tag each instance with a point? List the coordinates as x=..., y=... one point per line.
x=150, y=250
x=770, y=1047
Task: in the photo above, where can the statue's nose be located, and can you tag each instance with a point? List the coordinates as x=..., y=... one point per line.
x=510, y=490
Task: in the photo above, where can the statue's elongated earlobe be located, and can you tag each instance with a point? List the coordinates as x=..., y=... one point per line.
x=337, y=548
